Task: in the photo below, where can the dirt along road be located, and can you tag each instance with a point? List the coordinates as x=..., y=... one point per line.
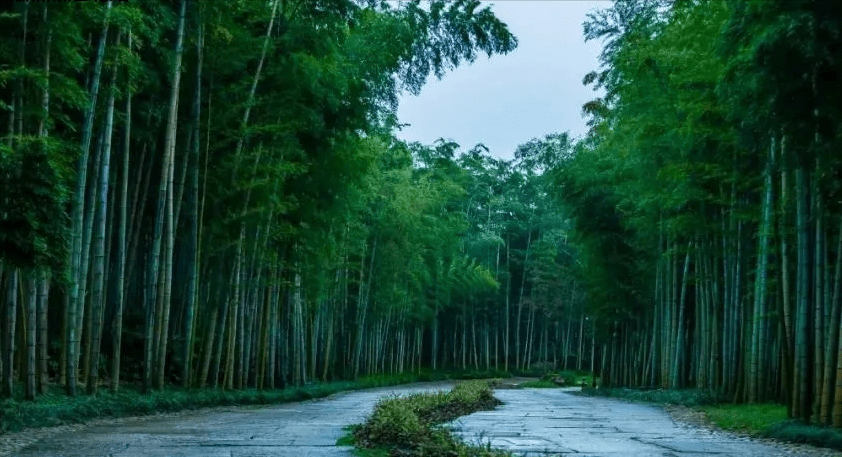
x=532, y=421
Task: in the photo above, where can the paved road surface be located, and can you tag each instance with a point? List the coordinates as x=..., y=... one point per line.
x=539, y=422
x=303, y=429
x=531, y=421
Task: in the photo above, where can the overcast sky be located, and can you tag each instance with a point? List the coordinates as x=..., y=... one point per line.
x=506, y=100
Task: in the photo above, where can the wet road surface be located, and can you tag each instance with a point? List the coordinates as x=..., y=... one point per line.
x=541, y=422
x=532, y=422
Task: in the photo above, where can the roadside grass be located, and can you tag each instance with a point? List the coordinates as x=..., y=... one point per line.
x=410, y=425
x=539, y=384
x=752, y=419
x=770, y=421
x=568, y=378
x=762, y=420
x=55, y=408
x=684, y=397
x=799, y=432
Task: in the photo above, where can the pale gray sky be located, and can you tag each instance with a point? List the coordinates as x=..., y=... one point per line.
x=506, y=100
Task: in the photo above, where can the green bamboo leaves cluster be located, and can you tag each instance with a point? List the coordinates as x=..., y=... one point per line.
x=705, y=200
x=210, y=194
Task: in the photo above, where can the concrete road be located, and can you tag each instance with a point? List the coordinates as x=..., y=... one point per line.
x=308, y=428
x=541, y=422
x=531, y=422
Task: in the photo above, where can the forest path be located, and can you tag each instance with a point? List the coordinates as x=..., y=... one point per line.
x=544, y=422
x=308, y=428
x=533, y=421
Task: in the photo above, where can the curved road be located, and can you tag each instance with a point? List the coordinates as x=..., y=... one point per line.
x=532, y=421
x=549, y=422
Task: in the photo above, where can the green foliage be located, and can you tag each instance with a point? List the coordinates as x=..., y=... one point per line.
x=540, y=384
x=799, y=432
x=570, y=378
x=770, y=421
x=684, y=397
x=755, y=419
x=406, y=424
x=33, y=223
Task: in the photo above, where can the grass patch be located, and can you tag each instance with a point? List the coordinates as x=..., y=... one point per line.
x=753, y=419
x=770, y=421
x=799, y=432
x=540, y=384
x=409, y=425
x=763, y=420
x=684, y=397
x=55, y=408
x=569, y=378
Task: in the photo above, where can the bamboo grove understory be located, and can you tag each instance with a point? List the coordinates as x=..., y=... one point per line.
x=213, y=194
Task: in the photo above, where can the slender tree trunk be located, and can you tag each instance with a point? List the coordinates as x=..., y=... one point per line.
x=78, y=211
x=98, y=298
x=676, y=377
x=818, y=295
x=760, y=306
x=837, y=303
x=43, y=296
x=117, y=334
x=520, y=300
x=786, y=300
x=32, y=296
x=802, y=406
x=832, y=357
x=43, y=278
x=161, y=292
x=8, y=341
x=193, y=248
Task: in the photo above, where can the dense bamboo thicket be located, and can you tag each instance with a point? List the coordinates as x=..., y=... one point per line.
x=210, y=194
x=706, y=200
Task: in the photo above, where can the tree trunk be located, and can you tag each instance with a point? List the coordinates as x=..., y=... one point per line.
x=117, y=333
x=832, y=357
x=43, y=296
x=8, y=341
x=802, y=405
x=77, y=216
x=98, y=298
x=193, y=238
x=520, y=300
x=161, y=292
x=32, y=292
x=676, y=377
x=760, y=305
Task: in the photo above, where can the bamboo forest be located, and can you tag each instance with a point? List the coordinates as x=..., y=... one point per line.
x=215, y=195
